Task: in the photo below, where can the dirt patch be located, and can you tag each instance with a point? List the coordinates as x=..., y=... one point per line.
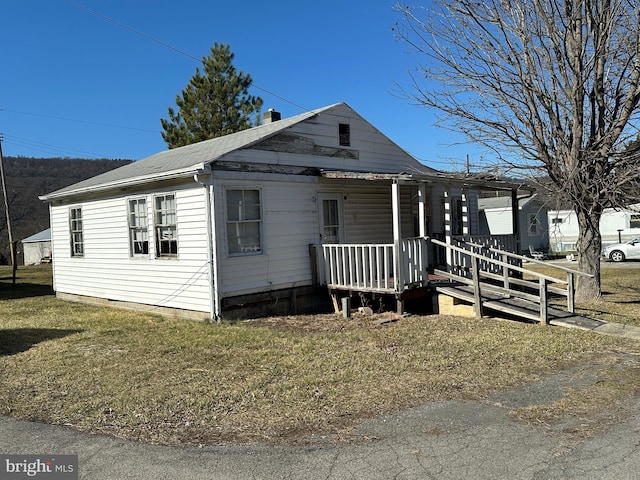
x=323, y=323
x=581, y=401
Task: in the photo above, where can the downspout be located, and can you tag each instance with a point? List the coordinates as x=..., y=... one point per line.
x=214, y=298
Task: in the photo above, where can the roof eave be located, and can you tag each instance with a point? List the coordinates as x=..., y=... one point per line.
x=451, y=180
x=120, y=184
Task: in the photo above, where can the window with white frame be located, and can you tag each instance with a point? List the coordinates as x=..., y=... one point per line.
x=244, y=221
x=166, y=229
x=76, y=232
x=634, y=221
x=138, y=227
x=534, y=225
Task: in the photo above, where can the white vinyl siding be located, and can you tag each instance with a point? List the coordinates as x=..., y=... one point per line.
x=109, y=271
x=289, y=223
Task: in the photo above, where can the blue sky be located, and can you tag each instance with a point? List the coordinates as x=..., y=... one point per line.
x=75, y=84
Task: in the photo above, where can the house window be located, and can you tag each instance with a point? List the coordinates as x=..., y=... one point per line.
x=344, y=134
x=634, y=221
x=534, y=225
x=244, y=221
x=556, y=221
x=75, y=230
x=138, y=231
x=166, y=226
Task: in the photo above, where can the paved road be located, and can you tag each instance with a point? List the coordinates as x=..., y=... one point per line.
x=449, y=440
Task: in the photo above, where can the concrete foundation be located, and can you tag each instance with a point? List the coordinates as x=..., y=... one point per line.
x=454, y=306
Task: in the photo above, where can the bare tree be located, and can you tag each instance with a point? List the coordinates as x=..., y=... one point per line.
x=551, y=86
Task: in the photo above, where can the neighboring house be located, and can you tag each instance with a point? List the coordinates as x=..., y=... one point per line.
x=37, y=247
x=496, y=219
x=213, y=227
x=616, y=225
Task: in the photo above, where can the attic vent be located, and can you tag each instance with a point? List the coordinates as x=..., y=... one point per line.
x=344, y=134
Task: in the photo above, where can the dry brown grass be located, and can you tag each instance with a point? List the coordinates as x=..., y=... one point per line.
x=620, y=295
x=285, y=379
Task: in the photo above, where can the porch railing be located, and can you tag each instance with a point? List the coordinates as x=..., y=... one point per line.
x=532, y=290
x=492, y=247
x=373, y=267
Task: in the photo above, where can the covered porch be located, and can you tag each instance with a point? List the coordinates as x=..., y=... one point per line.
x=402, y=267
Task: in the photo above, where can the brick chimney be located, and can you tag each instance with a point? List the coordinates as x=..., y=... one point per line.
x=270, y=116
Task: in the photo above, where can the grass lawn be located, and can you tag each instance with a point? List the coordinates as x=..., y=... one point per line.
x=620, y=294
x=169, y=381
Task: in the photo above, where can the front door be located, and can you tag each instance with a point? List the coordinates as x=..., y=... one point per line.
x=331, y=218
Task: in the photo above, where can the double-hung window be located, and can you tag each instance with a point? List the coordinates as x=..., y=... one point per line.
x=166, y=225
x=534, y=225
x=138, y=228
x=75, y=231
x=244, y=221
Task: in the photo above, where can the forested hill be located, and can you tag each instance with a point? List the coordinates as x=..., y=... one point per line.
x=27, y=178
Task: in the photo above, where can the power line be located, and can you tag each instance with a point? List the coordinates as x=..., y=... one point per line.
x=79, y=121
x=170, y=47
x=47, y=147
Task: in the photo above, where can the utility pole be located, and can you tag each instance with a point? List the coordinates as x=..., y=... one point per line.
x=6, y=207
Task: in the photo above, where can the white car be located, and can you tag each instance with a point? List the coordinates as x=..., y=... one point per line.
x=619, y=252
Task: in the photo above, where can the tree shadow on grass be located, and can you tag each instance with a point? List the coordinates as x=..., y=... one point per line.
x=22, y=290
x=17, y=340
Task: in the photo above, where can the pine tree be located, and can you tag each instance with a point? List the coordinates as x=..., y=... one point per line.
x=216, y=102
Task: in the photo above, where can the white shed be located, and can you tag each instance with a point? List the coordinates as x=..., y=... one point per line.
x=230, y=222
x=496, y=219
x=37, y=247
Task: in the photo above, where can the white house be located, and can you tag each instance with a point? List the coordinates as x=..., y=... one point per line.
x=496, y=218
x=37, y=247
x=616, y=225
x=209, y=228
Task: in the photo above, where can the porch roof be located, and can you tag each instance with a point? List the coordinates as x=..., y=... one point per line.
x=435, y=178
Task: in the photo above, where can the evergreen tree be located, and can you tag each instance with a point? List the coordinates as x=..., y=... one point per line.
x=216, y=102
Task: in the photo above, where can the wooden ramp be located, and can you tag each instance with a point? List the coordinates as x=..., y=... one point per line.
x=505, y=304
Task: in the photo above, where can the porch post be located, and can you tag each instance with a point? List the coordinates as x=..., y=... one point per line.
x=464, y=199
x=448, y=238
x=422, y=199
x=397, y=253
x=515, y=219
x=422, y=231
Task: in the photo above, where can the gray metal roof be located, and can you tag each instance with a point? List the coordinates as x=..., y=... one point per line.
x=43, y=236
x=503, y=202
x=181, y=161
